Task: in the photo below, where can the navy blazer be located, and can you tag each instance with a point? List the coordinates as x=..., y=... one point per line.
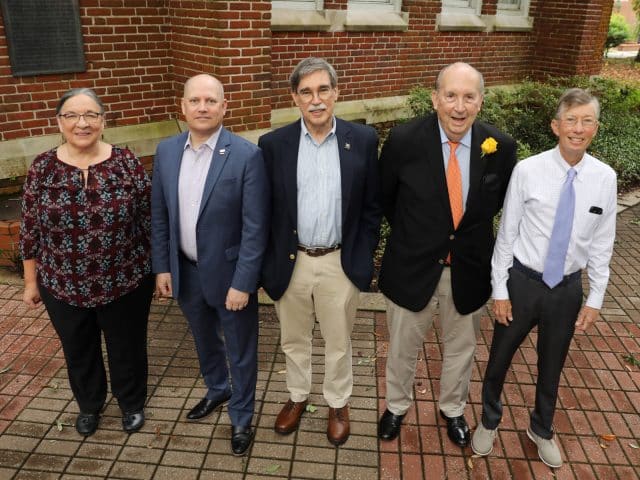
x=416, y=204
x=361, y=209
x=231, y=232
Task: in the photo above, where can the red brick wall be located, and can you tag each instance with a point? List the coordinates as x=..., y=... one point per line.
x=570, y=37
x=126, y=50
x=380, y=64
x=139, y=52
x=231, y=43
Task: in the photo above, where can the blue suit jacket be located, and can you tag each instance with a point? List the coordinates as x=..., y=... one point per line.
x=232, y=229
x=361, y=208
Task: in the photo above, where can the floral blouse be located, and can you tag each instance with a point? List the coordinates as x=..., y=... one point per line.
x=91, y=244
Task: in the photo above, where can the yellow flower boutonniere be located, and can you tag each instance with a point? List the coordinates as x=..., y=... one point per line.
x=489, y=146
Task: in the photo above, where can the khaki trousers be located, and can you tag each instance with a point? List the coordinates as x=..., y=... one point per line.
x=407, y=330
x=318, y=290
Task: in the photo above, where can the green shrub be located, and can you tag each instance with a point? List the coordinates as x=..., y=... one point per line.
x=525, y=112
x=619, y=31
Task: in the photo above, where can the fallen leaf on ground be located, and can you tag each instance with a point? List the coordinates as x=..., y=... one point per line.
x=311, y=408
x=470, y=463
x=609, y=437
x=423, y=391
x=282, y=371
x=602, y=445
x=273, y=468
x=5, y=370
x=633, y=445
x=60, y=425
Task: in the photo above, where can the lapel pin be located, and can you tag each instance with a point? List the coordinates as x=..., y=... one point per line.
x=347, y=146
x=221, y=151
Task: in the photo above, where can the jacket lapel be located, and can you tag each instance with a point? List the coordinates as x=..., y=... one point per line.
x=346, y=151
x=175, y=158
x=289, y=165
x=435, y=162
x=477, y=168
x=220, y=155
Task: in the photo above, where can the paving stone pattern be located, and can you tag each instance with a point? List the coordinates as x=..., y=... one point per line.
x=599, y=395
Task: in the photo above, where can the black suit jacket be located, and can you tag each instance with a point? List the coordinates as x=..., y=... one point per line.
x=361, y=210
x=416, y=203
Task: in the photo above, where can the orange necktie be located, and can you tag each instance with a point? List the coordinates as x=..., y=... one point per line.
x=454, y=185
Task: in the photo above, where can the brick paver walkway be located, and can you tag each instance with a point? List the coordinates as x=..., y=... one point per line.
x=600, y=395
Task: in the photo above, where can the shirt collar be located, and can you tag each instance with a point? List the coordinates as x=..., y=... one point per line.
x=305, y=130
x=211, y=141
x=564, y=167
x=465, y=140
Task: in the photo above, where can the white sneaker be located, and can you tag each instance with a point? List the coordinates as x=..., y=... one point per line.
x=482, y=440
x=548, y=450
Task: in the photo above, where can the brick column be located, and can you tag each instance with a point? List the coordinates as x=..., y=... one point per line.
x=570, y=36
x=231, y=40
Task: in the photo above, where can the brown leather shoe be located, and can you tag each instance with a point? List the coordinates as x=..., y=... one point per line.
x=338, y=427
x=289, y=417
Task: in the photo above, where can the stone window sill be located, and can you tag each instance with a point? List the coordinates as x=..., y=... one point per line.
x=376, y=21
x=460, y=22
x=283, y=20
x=512, y=23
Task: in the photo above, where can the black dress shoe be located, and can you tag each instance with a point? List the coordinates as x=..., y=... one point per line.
x=389, y=426
x=206, y=406
x=87, y=423
x=457, y=429
x=241, y=438
x=133, y=421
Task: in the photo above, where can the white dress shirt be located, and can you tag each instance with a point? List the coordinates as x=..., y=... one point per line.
x=194, y=169
x=319, y=190
x=528, y=216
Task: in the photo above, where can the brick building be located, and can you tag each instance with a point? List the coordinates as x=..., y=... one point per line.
x=139, y=52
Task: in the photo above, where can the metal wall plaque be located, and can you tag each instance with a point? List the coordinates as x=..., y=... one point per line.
x=44, y=36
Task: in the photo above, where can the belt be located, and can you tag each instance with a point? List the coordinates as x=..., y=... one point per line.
x=535, y=275
x=318, y=251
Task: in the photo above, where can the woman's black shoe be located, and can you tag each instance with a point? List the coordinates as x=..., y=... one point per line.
x=132, y=422
x=87, y=423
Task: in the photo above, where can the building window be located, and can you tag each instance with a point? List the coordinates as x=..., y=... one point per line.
x=460, y=15
x=375, y=16
x=299, y=16
x=513, y=16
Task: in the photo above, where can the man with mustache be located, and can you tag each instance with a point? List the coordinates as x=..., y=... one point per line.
x=324, y=230
x=209, y=212
x=444, y=177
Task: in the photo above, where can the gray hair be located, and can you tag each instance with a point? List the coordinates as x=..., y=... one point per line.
x=79, y=91
x=460, y=64
x=575, y=97
x=311, y=65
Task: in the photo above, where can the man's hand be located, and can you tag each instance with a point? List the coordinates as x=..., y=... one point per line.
x=586, y=317
x=502, y=311
x=236, y=300
x=31, y=295
x=163, y=285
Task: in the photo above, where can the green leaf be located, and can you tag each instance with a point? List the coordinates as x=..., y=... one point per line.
x=631, y=360
x=273, y=468
x=311, y=408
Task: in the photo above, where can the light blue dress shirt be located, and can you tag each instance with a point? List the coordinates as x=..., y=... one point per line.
x=319, y=190
x=463, y=152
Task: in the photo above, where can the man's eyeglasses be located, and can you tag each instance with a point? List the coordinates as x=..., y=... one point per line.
x=324, y=93
x=586, y=122
x=90, y=117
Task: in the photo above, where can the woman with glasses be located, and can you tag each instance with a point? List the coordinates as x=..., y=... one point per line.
x=84, y=241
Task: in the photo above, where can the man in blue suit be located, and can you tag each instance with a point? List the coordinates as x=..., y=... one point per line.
x=210, y=205
x=324, y=230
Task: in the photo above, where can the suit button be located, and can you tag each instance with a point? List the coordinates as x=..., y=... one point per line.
x=452, y=236
x=292, y=257
x=295, y=232
x=441, y=262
